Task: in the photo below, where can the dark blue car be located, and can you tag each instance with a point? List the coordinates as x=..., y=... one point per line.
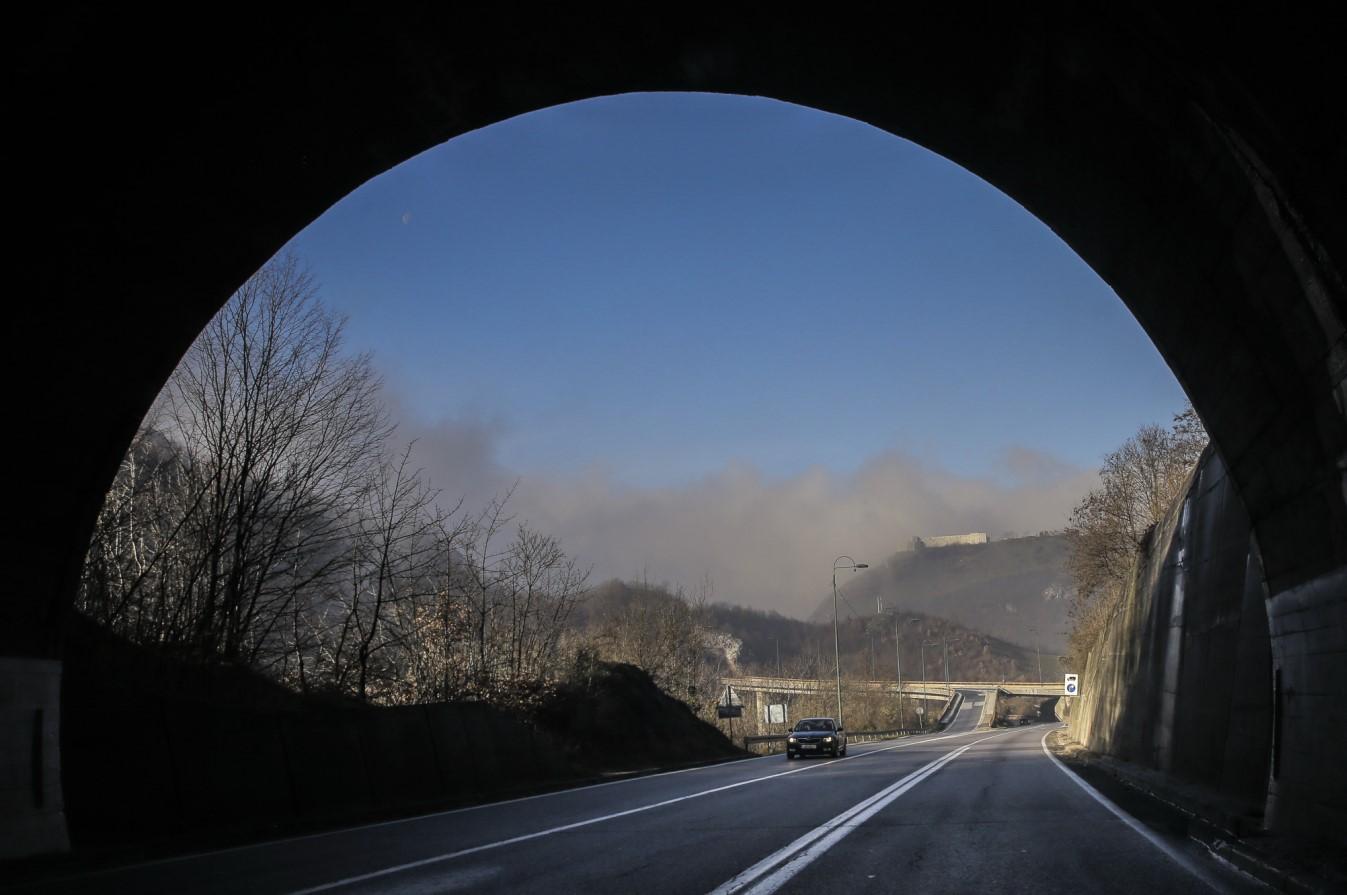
x=816, y=736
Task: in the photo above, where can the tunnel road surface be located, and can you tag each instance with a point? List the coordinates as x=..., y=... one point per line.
x=956, y=811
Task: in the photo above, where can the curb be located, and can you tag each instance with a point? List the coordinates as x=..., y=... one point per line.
x=1279, y=878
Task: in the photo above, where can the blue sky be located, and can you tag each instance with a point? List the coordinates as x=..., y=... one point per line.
x=727, y=336
x=662, y=283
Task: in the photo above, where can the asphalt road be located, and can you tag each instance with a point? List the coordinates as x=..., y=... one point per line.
x=949, y=812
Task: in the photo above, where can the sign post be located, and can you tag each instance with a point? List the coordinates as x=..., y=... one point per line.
x=1072, y=685
x=730, y=707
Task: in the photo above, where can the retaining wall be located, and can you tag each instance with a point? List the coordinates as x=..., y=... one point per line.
x=1181, y=679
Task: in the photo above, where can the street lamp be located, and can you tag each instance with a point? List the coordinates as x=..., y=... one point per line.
x=1037, y=655
x=837, y=653
x=898, y=659
x=924, y=644
x=923, y=679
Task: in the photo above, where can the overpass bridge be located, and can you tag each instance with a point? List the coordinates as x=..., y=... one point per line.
x=918, y=689
x=759, y=691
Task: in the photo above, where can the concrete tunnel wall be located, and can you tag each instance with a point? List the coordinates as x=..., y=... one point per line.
x=1185, y=679
x=1181, y=678
x=1197, y=166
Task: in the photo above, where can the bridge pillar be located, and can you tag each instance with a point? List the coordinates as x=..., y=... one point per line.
x=32, y=812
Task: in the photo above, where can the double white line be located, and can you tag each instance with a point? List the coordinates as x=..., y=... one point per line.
x=775, y=870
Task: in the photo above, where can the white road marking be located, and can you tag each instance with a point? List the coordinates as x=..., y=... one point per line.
x=192, y=856
x=514, y=840
x=799, y=854
x=1170, y=851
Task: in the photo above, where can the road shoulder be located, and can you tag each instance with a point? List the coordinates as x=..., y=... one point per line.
x=1194, y=814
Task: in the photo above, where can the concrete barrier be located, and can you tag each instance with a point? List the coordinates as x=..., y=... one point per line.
x=951, y=710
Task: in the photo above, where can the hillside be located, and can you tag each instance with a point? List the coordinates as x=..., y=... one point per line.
x=768, y=642
x=1003, y=588
x=867, y=647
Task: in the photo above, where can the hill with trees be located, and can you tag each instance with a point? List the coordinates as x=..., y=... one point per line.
x=1017, y=590
x=689, y=643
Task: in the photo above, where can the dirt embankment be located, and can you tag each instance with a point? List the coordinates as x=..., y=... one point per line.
x=160, y=755
x=617, y=719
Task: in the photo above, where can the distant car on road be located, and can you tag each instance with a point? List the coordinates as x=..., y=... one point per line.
x=816, y=736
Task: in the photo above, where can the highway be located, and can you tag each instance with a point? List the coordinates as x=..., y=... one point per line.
x=945, y=812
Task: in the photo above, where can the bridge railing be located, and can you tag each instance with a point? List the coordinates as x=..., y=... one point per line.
x=761, y=684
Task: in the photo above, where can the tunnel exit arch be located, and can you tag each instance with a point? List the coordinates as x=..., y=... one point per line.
x=1198, y=168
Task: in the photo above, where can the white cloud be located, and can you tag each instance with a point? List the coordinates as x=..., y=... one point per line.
x=767, y=543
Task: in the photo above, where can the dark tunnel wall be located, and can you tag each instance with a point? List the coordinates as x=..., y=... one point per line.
x=1197, y=165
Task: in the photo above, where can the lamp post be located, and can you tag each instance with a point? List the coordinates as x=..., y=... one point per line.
x=898, y=660
x=924, y=644
x=1037, y=655
x=837, y=652
x=923, y=680
x=898, y=663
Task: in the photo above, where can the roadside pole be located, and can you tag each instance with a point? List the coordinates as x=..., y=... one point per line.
x=898, y=661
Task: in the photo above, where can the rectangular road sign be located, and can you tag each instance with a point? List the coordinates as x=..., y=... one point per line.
x=1072, y=685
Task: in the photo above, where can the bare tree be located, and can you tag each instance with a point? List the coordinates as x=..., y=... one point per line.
x=667, y=633
x=1138, y=484
x=274, y=434
x=135, y=558
x=391, y=565
x=256, y=520
x=482, y=578
x=436, y=629
x=540, y=587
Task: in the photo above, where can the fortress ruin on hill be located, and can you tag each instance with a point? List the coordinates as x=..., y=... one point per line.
x=973, y=537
